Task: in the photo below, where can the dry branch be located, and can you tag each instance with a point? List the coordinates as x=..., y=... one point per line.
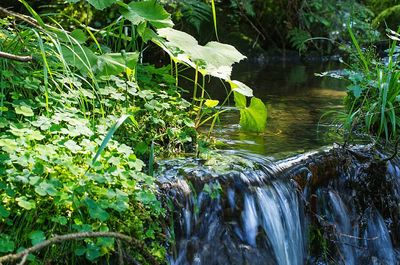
x=25, y=18
x=77, y=236
x=14, y=57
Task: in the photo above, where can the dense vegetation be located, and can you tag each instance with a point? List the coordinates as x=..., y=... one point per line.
x=86, y=107
x=83, y=118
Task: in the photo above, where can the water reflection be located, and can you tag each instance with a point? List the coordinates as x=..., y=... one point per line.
x=296, y=101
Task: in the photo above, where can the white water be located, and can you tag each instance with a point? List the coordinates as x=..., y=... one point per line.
x=281, y=222
x=260, y=220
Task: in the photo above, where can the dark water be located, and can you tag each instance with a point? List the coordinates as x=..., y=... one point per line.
x=296, y=100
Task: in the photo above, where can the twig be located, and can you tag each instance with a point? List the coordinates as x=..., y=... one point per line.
x=25, y=18
x=77, y=236
x=14, y=57
x=23, y=260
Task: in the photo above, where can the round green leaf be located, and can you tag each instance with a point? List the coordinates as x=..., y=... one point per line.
x=24, y=110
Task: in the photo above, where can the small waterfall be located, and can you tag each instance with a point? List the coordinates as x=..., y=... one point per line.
x=281, y=222
x=338, y=217
x=377, y=243
x=262, y=213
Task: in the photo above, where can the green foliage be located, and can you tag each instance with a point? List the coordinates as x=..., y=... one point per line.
x=57, y=115
x=298, y=38
x=147, y=11
x=325, y=22
x=98, y=4
x=378, y=6
x=215, y=59
x=254, y=117
x=388, y=18
x=83, y=122
x=214, y=190
x=314, y=25
x=373, y=95
x=193, y=12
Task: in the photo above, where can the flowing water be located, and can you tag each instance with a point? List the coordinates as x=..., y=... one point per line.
x=254, y=206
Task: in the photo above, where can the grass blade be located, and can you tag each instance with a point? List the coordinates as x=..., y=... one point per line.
x=33, y=13
x=355, y=42
x=214, y=13
x=151, y=159
x=109, y=135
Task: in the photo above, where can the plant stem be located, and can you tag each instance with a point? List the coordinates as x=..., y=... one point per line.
x=196, y=79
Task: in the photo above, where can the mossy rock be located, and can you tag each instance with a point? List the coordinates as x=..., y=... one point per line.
x=389, y=17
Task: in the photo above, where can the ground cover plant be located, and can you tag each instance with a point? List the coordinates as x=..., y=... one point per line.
x=82, y=119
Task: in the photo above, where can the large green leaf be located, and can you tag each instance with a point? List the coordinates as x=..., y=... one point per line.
x=254, y=117
x=37, y=236
x=98, y=4
x=80, y=57
x=95, y=211
x=241, y=88
x=240, y=100
x=181, y=41
x=6, y=244
x=115, y=63
x=86, y=61
x=150, y=11
x=219, y=58
x=214, y=58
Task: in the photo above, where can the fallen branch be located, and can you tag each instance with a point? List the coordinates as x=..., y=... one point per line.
x=78, y=236
x=14, y=57
x=25, y=18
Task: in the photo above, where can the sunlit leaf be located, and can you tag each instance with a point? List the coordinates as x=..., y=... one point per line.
x=240, y=100
x=24, y=110
x=241, y=88
x=24, y=203
x=210, y=103
x=72, y=146
x=101, y=4
x=215, y=59
x=115, y=63
x=8, y=145
x=254, y=117
x=151, y=11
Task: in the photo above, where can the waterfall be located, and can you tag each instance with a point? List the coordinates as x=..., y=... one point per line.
x=267, y=213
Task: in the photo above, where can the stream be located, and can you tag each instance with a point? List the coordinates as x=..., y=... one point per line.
x=288, y=196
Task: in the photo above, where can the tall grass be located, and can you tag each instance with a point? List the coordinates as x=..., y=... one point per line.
x=373, y=101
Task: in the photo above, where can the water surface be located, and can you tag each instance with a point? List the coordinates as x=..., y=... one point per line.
x=296, y=100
